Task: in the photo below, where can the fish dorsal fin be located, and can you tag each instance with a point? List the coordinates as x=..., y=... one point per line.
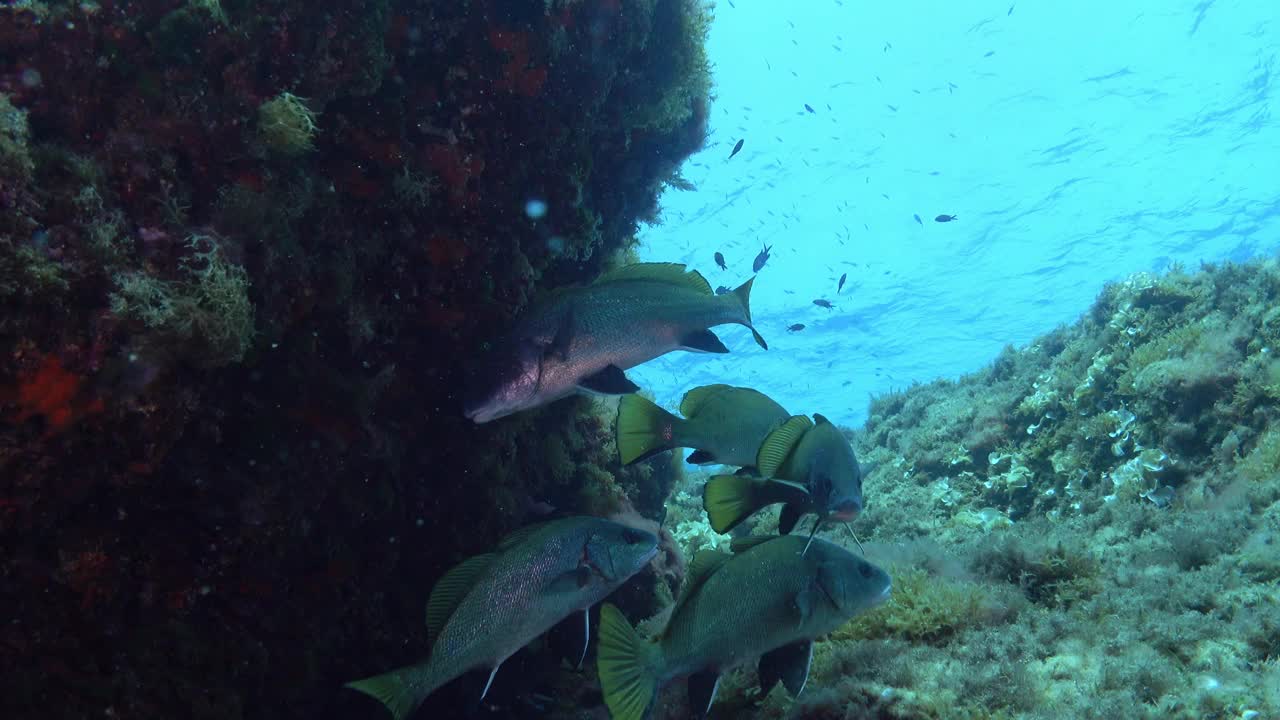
x=517, y=536
x=450, y=590
x=743, y=544
x=779, y=444
x=704, y=565
x=697, y=398
x=520, y=534
x=820, y=419
x=672, y=273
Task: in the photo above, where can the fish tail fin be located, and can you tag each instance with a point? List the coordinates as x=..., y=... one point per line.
x=730, y=499
x=628, y=666
x=401, y=690
x=743, y=296
x=644, y=429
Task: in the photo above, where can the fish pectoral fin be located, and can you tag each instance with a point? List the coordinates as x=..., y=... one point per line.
x=702, y=691
x=609, y=381
x=570, y=637
x=586, y=637
x=489, y=682
x=785, y=491
x=700, y=457
x=802, y=606
x=702, y=341
x=788, y=664
x=571, y=581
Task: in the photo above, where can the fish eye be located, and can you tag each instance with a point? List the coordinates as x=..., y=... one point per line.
x=864, y=570
x=631, y=536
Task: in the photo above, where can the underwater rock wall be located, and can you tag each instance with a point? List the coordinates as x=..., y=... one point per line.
x=246, y=252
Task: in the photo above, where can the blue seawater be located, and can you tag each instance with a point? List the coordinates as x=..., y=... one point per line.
x=1076, y=142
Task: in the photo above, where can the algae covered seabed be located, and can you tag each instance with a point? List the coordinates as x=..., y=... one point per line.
x=1088, y=527
x=247, y=250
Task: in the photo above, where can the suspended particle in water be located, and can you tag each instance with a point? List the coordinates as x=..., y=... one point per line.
x=535, y=208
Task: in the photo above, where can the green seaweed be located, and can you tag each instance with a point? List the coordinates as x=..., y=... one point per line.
x=287, y=126
x=923, y=608
x=15, y=134
x=206, y=315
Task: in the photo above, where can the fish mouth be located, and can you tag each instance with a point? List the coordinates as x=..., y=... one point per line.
x=885, y=593
x=649, y=556
x=846, y=511
x=883, y=596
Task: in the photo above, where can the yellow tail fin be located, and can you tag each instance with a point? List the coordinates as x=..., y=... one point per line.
x=730, y=499
x=644, y=429
x=402, y=691
x=627, y=665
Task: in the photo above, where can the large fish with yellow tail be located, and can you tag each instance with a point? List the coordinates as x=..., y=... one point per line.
x=768, y=600
x=723, y=424
x=808, y=465
x=583, y=339
x=485, y=609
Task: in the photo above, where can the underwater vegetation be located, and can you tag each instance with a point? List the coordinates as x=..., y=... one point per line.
x=1086, y=528
x=247, y=251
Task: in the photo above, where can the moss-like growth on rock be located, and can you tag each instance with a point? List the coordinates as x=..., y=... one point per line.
x=206, y=315
x=1112, y=493
x=923, y=608
x=15, y=156
x=287, y=126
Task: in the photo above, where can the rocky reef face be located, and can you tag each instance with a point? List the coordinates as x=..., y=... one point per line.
x=1085, y=528
x=247, y=250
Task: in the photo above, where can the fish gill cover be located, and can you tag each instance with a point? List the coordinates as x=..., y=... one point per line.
x=249, y=252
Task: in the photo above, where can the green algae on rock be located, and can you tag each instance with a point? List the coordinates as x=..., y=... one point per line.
x=287, y=125
x=388, y=229
x=1055, y=574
